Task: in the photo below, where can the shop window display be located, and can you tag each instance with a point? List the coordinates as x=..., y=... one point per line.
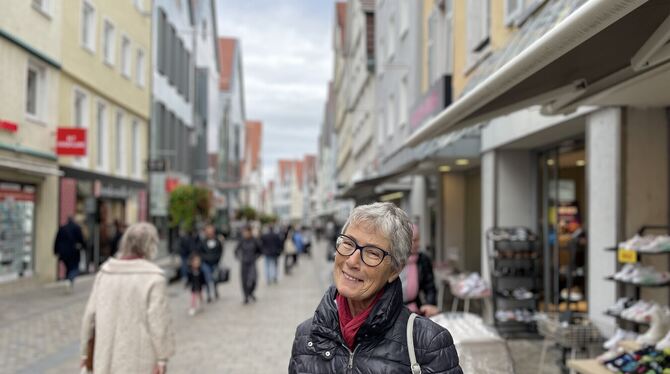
x=17, y=209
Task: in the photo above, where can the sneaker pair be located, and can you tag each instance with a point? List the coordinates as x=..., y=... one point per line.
x=619, y=306
x=574, y=294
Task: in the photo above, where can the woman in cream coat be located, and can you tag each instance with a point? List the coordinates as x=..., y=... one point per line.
x=127, y=311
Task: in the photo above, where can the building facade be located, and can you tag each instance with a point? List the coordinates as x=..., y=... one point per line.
x=105, y=88
x=30, y=65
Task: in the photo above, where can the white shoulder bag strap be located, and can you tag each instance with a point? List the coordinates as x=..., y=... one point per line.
x=416, y=369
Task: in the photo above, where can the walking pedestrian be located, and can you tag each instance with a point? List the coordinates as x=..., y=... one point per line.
x=188, y=244
x=361, y=323
x=211, y=251
x=196, y=279
x=272, y=246
x=69, y=241
x=290, y=251
x=418, y=281
x=127, y=319
x=247, y=252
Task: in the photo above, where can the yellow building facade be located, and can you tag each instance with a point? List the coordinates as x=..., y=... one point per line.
x=105, y=85
x=29, y=72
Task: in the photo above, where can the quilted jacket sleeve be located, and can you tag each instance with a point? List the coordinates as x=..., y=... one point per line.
x=441, y=356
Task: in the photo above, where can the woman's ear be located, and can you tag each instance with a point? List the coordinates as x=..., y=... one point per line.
x=394, y=275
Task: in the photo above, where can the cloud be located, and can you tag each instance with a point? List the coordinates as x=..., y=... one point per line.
x=287, y=62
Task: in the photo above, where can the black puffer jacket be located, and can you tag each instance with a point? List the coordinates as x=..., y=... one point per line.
x=381, y=343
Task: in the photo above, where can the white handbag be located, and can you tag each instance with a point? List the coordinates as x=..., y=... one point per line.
x=416, y=369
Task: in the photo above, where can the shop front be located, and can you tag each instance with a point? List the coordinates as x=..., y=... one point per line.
x=103, y=206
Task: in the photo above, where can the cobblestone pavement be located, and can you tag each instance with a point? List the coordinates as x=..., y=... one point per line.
x=39, y=326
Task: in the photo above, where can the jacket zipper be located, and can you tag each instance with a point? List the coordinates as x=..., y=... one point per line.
x=351, y=356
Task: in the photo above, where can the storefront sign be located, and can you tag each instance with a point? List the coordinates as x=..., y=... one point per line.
x=156, y=165
x=627, y=256
x=158, y=195
x=434, y=101
x=171, y=184
x=114, y=192
x=8, y=126
x=71, y=141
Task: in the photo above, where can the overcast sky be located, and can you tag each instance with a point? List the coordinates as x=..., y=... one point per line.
x=287, y=62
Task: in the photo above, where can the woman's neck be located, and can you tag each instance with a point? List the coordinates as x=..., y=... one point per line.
x=357, y=307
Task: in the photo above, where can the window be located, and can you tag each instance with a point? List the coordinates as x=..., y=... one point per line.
x=42, y=6
x=135, y=149
x=392, y=37
x=402, y=102
x=449, y=37
x=381, y=128
x=431, y=46
x=138, y=5
x=119, y=160
x=101, y=138
x=139, y=68
x=390, y=117
x=35, y=90
x=162, y=41
x=404, y=17
x=80, y=119
x=477, y=28
x=513, y=9
x=108, y=43
x=125, y=56
x=88, y=26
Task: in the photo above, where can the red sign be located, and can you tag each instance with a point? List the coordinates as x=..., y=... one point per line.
x=8, y=126
x=171, y=184
x=71, y=141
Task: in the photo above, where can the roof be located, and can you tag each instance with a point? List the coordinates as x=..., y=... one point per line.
x=341, y=18
x=254, y=131
x=285, y=167
x=299, y=172
x=227, y=48
x=310, y=167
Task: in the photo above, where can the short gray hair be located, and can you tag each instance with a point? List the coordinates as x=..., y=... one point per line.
x=141, y=240
x=391, y=222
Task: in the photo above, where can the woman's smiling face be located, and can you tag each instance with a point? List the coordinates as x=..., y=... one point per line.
x=355, y=280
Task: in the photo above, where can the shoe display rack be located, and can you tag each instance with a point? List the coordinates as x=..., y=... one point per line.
x=514, y=260
x=630, y=285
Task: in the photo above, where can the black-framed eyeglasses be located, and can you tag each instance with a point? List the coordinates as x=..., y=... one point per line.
x=372, y=256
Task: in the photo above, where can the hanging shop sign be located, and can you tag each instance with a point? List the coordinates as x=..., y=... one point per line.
x=8, y=126
x=71, y=141
x=433, y=102
x=171, y=184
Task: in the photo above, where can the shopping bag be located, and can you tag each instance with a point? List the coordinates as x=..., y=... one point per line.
x=90, y=349
x=223, y=274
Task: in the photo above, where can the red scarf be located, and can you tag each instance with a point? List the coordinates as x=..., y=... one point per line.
x=349, y=325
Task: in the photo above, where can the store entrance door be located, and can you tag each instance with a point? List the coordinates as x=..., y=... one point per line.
x=562, y=215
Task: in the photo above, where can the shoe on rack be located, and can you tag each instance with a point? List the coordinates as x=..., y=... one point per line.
x=659, y=327
x=575, y=294
x=660, y=243
x=522, y=293
x=664, y=343
x=647, y=275
x=619, y=335
x=619, y=306
x=625, y=274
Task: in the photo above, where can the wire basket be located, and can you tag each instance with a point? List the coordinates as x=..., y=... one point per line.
x=571, y=336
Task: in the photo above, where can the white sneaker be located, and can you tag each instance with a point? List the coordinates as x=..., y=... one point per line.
x=619, y=335
x=626, y=272
x=664, y=343
x=657, y=329
x=619, y=306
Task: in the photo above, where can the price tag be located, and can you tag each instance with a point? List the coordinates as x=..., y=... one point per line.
x=627, y=256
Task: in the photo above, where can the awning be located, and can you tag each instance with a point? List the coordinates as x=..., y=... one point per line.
x=587, y=52
x=367, y=187
x=30, y=167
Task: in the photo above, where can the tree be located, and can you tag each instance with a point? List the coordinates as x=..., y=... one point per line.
x=247, y=212
x=188, y=204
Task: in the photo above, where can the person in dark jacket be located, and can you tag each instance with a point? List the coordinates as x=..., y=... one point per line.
x=418, y=281
x=211, y=251
x=360, y=326
x=188, y=244
x=248, y=250
x=271, y=245
x=69, y=241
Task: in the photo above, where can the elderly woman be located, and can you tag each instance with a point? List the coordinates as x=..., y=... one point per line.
x=127, y=313
x=361, y=324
